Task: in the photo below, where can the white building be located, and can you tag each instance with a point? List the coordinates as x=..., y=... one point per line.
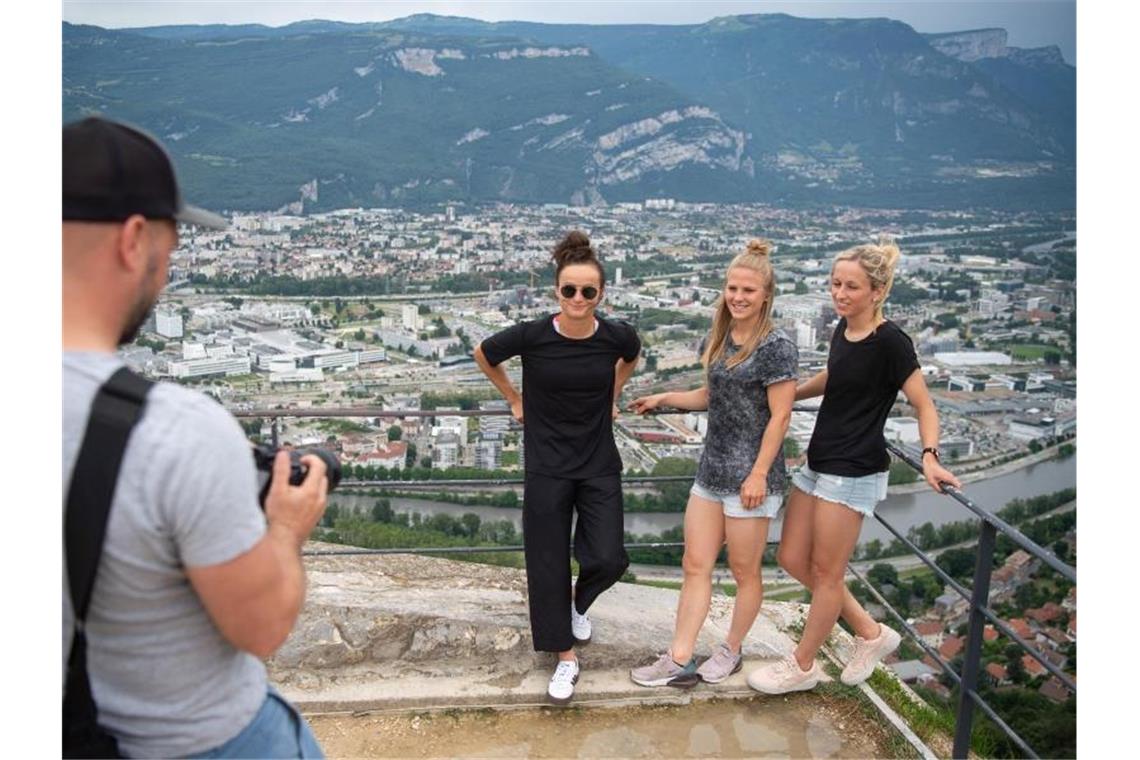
x=410, y=314
x=489, y=453
x=445, y=451
x=805, y=335
x=220, y=365
x=902, y=429
x=168, y=323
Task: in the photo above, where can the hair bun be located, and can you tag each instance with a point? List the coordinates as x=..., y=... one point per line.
x=759, y=247
x=575, y=248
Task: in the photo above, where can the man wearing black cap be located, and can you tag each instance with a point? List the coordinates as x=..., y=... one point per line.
x=195, y=584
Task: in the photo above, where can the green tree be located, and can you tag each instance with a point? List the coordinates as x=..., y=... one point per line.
x=957, y=563
x=470, y=522
x=873, y=549
x=395, y=432
x=883, y=574
x=791, y=447
x=382, y=511
x=900, y=473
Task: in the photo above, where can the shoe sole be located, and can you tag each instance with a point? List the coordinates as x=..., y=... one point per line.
x=806, y=686
x=562, y=700
x=848, y=681
x=739, y=665
x=586, y=640
x=686, y=681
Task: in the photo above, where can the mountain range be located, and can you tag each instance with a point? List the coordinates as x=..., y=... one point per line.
x=319, y=115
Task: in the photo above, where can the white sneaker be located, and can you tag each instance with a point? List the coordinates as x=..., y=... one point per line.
x=868, y=653
x=784, y=675
x=561, y=686
x=580, y=625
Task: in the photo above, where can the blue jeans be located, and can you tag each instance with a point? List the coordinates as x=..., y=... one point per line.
x=277, y=730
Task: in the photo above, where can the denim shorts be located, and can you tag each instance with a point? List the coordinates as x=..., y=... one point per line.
x=277, y=730
x=860, y=493
x=730, y=503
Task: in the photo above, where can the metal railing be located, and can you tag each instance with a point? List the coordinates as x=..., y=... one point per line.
x=978, y=596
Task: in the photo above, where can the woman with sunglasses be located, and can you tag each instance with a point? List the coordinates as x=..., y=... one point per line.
x=574, y=365
x=750, y=370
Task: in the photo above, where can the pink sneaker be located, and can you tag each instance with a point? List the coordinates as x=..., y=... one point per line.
x=868, y=653
x=783, y=676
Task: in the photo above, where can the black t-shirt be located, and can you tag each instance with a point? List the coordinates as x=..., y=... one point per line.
x=568, y=393
x=863, y=381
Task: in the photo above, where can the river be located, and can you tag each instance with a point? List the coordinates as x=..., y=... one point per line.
x=902, y=510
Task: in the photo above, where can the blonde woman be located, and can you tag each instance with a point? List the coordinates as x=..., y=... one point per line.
x=870, y=361
x=750, y=384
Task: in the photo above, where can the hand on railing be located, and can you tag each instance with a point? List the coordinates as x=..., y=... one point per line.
x=937, y=475
x=645, y=403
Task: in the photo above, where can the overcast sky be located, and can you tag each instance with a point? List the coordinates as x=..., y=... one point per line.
x=1030, y=23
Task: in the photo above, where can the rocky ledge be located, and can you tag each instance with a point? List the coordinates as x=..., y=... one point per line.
x=381, y=632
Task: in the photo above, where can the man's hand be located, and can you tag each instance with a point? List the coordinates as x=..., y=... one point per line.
x=297, y=509
x=517, y=409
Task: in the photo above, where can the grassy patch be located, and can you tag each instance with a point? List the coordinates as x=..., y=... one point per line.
x=933, y=724
x=1028, y=351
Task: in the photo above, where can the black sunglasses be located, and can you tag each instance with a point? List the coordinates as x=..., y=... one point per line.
x=589, y=292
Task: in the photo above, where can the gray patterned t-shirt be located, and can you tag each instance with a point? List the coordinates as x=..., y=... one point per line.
x=739, y=413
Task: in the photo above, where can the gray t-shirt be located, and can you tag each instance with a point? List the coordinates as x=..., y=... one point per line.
x=166, y=682
x=739, y=413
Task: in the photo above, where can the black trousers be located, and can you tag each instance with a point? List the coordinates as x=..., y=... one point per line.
x=548, y=507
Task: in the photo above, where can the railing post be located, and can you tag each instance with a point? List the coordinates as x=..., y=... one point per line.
x=276, y=420
x=971, y=663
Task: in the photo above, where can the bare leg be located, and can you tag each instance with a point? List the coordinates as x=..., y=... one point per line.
x=795, y=556
x=835, y=531
x=704, y=535
x=746, y=538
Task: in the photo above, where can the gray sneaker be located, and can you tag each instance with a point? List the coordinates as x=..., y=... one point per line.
x=666, y=672
x=720, y=665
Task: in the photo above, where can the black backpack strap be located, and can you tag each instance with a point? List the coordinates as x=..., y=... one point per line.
x=117, y=407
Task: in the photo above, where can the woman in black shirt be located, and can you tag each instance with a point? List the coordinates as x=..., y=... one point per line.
x=575, y=364
x=871, y=360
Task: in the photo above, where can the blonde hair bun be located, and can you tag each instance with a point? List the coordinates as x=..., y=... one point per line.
x=759, y=247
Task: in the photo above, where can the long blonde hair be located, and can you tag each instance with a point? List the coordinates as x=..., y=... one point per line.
x=755, y=257
x=878, y=261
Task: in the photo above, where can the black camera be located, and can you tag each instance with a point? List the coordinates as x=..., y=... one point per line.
x=263, y=456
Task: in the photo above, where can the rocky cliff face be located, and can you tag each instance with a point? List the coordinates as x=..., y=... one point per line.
x=971, y=46
x=751, y=108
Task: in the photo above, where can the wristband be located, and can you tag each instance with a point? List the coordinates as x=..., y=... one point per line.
x=932, y=450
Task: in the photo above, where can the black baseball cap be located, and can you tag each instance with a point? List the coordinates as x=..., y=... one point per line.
x=112, y=171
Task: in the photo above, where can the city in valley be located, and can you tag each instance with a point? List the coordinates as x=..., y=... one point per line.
x=284, y=317
x=381, y=308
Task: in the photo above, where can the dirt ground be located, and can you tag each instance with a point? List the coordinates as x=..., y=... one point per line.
x=797, y=725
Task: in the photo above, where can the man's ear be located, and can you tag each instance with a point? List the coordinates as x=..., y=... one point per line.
x=131, y=247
